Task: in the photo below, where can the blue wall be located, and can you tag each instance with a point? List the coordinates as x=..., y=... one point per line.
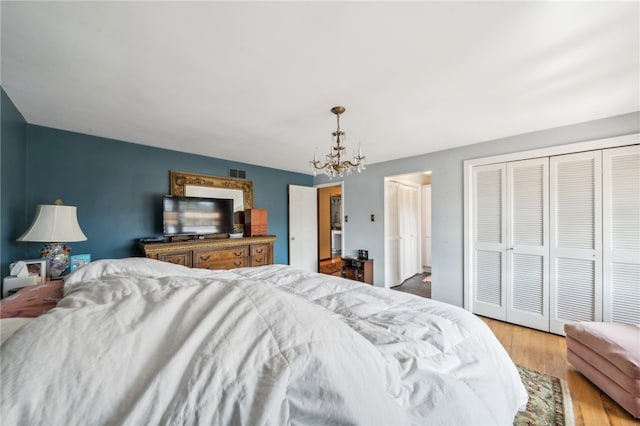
x=118, y=187
x=13, y=184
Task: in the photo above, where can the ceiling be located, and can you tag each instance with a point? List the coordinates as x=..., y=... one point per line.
x=254, y=81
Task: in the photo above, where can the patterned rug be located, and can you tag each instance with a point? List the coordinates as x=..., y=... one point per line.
x=330, y=268
x=549, y=400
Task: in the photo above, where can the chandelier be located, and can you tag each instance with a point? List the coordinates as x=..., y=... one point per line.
x=334, y=164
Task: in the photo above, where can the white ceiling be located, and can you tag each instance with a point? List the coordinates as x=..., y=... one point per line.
x=254, y=82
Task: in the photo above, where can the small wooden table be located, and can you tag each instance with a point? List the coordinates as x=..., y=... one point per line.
x=358, y=269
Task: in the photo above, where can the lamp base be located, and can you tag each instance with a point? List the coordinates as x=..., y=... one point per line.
x=57, y=255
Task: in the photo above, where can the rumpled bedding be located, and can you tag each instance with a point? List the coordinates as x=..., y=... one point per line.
x=137, y=341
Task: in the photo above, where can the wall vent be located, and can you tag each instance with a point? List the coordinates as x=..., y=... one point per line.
x=236, y=173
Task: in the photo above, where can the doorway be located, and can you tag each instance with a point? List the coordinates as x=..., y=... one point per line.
x=407, y=228
x=330, y=227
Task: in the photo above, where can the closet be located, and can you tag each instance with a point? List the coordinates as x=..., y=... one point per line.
x=403, y=231
x=555, y=238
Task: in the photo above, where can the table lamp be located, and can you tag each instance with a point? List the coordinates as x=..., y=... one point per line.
x=55, y=225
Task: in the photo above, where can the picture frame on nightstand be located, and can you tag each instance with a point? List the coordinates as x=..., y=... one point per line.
x=37, y=268
x=78, y=261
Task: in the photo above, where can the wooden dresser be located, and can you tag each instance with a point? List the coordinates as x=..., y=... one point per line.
x=224, y=253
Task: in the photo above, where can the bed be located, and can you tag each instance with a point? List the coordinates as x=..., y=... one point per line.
x=137, y=341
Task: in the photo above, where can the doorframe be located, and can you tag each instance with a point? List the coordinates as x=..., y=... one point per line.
x=343, y=239
x=468, y=165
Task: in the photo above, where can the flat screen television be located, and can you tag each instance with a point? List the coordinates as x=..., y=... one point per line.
x=197, y=216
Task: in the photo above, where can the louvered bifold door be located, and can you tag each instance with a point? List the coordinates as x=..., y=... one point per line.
x=575, y=263
x=489, y=241
x=621, y=234
x=527, y=251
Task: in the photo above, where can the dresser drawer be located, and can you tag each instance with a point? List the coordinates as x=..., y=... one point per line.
x=259, y=254
x=212, y=255
x=212, y=259
x=178, y=258
x=238, y=262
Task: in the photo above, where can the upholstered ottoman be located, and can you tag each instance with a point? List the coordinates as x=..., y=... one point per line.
x=608, y=354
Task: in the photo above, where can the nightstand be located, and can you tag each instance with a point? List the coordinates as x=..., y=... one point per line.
x=358, y=269
x=14, y=291
x=10, y=283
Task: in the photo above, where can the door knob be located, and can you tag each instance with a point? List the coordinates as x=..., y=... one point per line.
x=293, y=238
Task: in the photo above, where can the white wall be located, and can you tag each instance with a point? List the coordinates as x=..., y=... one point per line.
x=364, y=195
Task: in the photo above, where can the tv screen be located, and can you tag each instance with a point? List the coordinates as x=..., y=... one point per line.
x=197, y=216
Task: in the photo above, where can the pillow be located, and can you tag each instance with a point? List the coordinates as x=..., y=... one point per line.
x=32, y=301
x=129, y=266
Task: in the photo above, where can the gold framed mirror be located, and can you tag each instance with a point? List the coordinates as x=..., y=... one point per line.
x=186, y=184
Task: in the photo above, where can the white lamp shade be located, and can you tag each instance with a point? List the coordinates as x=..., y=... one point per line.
x=54, y=224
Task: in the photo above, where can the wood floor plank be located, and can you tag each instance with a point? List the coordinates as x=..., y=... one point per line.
x=546, y=353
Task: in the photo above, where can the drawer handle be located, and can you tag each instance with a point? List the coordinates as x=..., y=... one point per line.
x=259, y=259
x=205, y=258
x=237, y=263
x=260, y=250
x=237, y=253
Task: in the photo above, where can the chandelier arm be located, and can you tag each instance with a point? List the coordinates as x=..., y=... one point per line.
x=323, y=166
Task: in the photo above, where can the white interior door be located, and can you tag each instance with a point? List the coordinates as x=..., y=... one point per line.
x=621, y=234
x=303, y=227
x=426, y=227
x=527, y=254
x=408, y=215
x=575, y=239
x=393, y=235
x=489, y=241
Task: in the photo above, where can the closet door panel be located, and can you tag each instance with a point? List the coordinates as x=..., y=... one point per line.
x=576, y=239
x=527, y=252
x=393, y=221
x=575, y=292
x=489, y=241
x=621, y=234
x=408, y=224
x=426, y=225
x=410, y=215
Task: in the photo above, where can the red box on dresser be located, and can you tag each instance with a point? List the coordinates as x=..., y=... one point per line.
x=255, y=222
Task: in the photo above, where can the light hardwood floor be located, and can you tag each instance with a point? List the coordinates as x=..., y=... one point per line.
x=546, y=353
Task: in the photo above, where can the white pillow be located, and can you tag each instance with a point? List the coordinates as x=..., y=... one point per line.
x=131, y=265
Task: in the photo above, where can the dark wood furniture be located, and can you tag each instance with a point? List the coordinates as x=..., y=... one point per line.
x=216, y=253
x=357, y=269
x=255, y=222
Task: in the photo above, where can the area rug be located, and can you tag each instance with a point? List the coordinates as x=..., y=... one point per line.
x=330, y=268
x=549, y=400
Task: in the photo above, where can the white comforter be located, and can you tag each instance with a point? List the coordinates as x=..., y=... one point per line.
x=140, y=342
